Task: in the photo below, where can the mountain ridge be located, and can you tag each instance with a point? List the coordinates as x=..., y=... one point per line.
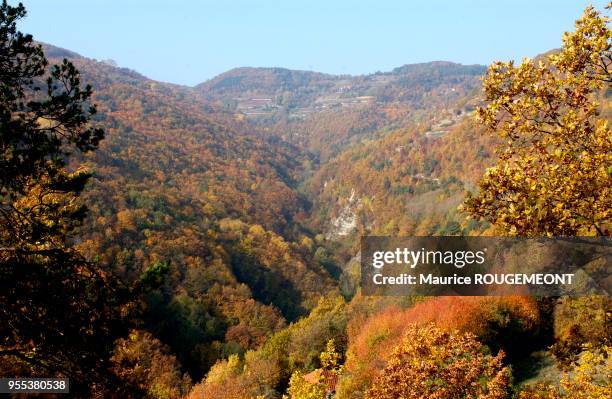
x=53, y=51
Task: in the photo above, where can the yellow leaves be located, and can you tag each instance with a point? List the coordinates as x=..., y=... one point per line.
x=257, y=230
x=592, y=376
x=558, y=154
x=589, y=379
x=299, y=388
x=586, y=48
x=125, y=220
x=330, y=358
x=430, y=362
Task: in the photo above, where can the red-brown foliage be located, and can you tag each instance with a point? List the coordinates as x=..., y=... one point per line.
x=372, y=341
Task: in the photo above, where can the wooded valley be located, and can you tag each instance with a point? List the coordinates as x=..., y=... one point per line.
x=204, y=243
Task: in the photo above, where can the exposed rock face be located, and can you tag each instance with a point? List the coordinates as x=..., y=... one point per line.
x=346, y=222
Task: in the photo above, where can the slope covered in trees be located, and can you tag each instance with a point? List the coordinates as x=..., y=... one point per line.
x=324, y=113
x=185, y=195
x=411, y=179
x=227, y=214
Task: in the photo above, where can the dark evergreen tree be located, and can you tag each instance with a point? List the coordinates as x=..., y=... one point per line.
x=59, y=313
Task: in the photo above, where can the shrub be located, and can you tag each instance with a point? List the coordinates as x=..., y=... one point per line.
x=433, y=363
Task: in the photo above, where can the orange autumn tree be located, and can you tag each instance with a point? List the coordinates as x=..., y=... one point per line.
x=432, y=363
x=500, y=322
x=553, y=174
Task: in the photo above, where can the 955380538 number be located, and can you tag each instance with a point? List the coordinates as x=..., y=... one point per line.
x=34, y=385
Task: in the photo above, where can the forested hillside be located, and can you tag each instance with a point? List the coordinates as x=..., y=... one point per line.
x=412, y=126
x=216, y=228
x=325, y=113
x=182, y=189
x=233, y=219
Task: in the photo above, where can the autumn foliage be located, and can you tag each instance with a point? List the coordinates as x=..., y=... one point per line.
x=490, y=319
x=589, y=378
x=432, y=363
x=214, y=251
x=147, y=363
x=553, y=173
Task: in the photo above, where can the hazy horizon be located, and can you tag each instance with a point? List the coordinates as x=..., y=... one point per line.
x=342, y=38
x=107, y=60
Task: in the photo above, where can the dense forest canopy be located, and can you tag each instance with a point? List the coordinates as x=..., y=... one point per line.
x=203, y=242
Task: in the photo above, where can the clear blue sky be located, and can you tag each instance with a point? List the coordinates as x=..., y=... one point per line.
x=188, y=42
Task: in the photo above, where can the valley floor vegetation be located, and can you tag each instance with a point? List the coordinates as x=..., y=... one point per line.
x=154, y=243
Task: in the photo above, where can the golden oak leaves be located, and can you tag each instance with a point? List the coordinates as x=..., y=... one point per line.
x=330, y=358
x=432, y=363
x=553, y=174
x=300, y=388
